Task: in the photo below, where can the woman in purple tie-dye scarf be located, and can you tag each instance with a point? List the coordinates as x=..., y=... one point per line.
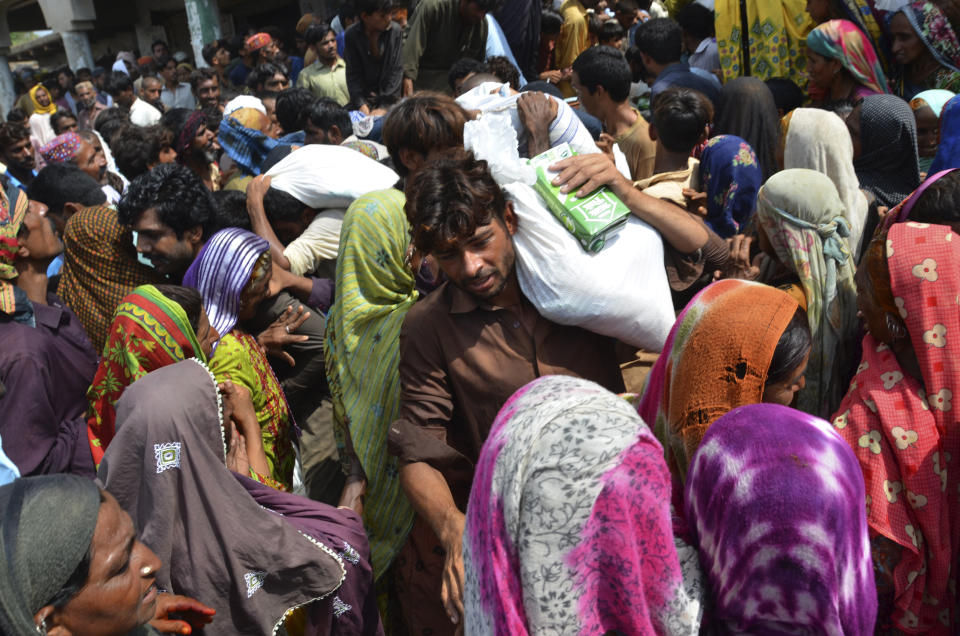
x=775, y=499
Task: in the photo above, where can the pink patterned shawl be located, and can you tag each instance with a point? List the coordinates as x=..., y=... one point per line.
x=569, y=524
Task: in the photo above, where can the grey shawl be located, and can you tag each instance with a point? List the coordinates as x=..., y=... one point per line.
x=166, y=467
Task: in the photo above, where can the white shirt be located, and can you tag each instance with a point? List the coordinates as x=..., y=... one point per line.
x=142, y=113
x=180, y=97
x=318, y=243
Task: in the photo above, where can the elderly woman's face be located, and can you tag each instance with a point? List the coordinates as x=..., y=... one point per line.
x=121, y=591
x=254, y=293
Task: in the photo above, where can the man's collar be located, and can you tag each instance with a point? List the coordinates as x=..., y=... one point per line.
x=49, y=315
x=460, y=301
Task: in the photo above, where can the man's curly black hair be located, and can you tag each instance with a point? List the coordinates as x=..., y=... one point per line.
x=176, y=194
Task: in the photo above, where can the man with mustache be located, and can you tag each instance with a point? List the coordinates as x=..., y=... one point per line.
x=16, y=153
x=88, y=105
x=464, y=350
x=194, y=143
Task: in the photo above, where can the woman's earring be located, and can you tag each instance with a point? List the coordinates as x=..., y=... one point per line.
x=42, y=627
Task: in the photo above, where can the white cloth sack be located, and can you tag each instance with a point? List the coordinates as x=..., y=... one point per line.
x=491, y=98
x=621, y=291
x=321, y=176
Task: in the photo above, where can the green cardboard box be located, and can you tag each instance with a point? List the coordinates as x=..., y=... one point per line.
x=592, y=219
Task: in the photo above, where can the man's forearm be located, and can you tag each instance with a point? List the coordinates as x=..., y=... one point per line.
x=677, y=226
x=430, y=496
x=262, y=228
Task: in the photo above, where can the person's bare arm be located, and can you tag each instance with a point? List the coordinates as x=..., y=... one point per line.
x=245, y=444
x=431, y=498
x=586, y=173
x=256, y=190
x=284, y=279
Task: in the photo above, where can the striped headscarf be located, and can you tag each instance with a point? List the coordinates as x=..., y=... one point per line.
x=221, y=271
x=841, y=40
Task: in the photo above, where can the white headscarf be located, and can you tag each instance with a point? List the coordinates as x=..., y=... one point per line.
x=819, y=140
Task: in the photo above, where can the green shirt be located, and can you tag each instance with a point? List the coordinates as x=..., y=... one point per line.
x=437, y=37
x=324, y=81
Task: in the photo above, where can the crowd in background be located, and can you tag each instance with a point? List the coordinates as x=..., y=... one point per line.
x=291, y=340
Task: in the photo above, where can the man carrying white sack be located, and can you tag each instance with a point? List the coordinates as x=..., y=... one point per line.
x=464, y=350
x=302, y=211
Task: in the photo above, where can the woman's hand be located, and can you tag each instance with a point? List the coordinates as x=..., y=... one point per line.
x=237, y=459
x=281, y=333
x=192, y=614
x=696, y=202
x=552, y=76
x=238, y=407
x=353, y=493
x=740, y=264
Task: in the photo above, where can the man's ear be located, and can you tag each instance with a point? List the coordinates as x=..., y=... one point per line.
x=510, y=219
x=652, y=131
x=335, y=135
x=194, y=234
x=70, y=208
x=411, y=159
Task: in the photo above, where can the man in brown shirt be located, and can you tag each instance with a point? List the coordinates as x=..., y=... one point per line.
x=464, y=351
x=601, y=77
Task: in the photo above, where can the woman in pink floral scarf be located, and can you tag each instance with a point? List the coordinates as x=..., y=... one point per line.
x=926, y=50
x=899, y=418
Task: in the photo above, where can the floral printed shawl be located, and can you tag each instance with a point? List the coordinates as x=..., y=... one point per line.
x=716, y=358
x=775, y=32
x=569, y=526
x=374, y=290
x=841, y=40
x=802, y=215
x=934, y=30
x=773, y=498
x=149, y=331
x=905, y=434
x=948, y=152
x=731, y=175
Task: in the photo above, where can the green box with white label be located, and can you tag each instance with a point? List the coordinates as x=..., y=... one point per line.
x=593, y=219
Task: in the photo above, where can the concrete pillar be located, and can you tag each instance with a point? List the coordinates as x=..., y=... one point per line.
x=77, y=46
x=7, y=93
x=203, y=20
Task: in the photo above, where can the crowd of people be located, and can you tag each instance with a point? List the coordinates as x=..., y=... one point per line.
x=300, y=342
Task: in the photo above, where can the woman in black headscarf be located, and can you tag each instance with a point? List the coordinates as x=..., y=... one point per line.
x=70, y=563
x=746, y=109
x=884, y=134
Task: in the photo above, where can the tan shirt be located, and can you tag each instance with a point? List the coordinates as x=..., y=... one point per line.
x=640, y=150
x=669, y=185
x=460, y=361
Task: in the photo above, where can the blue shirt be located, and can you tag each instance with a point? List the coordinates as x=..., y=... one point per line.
x=679, y=74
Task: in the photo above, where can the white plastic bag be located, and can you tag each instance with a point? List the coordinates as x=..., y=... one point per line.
x=494, y=140
x=621, y=291
x=322, y=176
